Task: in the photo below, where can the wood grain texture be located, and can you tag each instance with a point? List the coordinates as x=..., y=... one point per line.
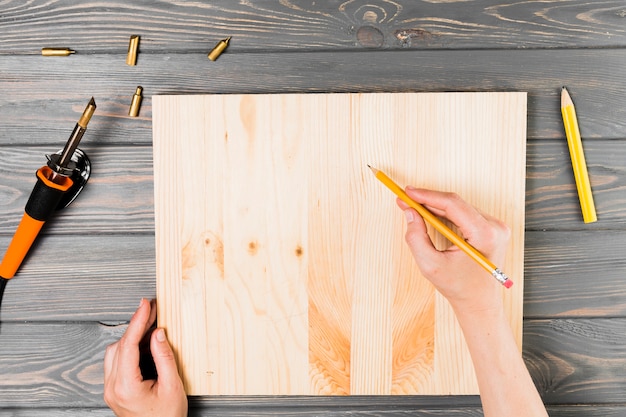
x=608, y=375
x=60, y=365
x=557, y=270
x=366, y=408
x=551, y=203
x=321, y=46
x=278, y=181
x=86, y=278
x=90, y=27
x=119, y=198
x=38, y=88
x=553, y=277
x=53, y=364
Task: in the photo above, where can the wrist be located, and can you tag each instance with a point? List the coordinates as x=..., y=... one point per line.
x=479, y=311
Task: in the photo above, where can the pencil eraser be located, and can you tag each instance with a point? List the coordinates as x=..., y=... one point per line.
x=508, y=283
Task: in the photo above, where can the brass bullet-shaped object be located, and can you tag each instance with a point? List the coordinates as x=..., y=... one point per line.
x=218, y=49
x=136, y=102
x=57, y=51
x=133, y=46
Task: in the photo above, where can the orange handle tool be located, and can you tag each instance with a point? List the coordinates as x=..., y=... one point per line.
x=42, y=202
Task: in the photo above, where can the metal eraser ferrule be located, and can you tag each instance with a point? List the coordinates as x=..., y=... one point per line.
x=500, y=276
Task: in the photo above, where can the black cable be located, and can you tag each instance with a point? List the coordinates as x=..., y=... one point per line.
x=3, y=283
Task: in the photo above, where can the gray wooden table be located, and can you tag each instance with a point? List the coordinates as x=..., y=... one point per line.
x=94, y=261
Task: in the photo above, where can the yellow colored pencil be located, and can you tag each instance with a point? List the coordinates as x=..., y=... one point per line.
x=443, y=229
x=578, y=158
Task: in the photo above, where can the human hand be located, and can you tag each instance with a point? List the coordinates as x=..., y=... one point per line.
x=125, y=390
x=466, y=285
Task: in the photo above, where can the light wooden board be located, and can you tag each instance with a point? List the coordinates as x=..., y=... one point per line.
x=281, y=262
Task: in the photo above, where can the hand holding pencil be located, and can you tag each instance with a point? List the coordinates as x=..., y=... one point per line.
x=458, y=271
x=457, y=276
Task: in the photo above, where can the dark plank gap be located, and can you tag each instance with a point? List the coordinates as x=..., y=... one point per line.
x=272, y=407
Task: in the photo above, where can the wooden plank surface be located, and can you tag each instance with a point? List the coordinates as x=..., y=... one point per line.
x=366, y=408
x=32, y=83
x=357, y=46
x=92, y=27
x=557, y=270
x=120, y=196
x=260, y=202
x=60, y=365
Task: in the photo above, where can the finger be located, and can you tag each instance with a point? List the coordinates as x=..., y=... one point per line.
x=128, y=349
x=109, y=358
x=144, y=344
x=110, y=371
x=403, y=206
x=419, y=242
x=153, y=313
x=452, y=207
x=164, y=359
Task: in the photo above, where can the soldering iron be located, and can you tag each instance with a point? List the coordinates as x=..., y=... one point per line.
x=58, y=184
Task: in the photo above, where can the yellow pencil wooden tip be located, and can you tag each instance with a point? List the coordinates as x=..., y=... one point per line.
x=566, y=100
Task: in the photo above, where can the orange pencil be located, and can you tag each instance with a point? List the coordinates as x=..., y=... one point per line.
x=443, y=229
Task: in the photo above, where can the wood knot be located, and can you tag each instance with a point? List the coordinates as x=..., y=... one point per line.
x=213, y=246
x=299, y=251
x=370, y=16
x=406, y=36
x=253, y=247
x=370, y=37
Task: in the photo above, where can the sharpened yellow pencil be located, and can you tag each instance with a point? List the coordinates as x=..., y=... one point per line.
x=443, y=229
x=578, y=158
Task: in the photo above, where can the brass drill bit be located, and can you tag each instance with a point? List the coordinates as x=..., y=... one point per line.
x=57, y=51
x=136, y=102
x=133, y=46
x=219, y=48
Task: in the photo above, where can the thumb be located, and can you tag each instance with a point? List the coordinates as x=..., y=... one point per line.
x=163, y=358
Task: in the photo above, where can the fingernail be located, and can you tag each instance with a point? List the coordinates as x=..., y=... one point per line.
x=410, y=216
x=160, y=335
x=141, y=302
